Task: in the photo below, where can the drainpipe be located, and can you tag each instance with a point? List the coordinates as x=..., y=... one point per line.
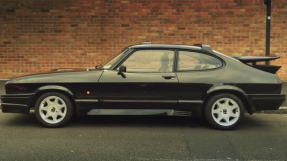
x=268, y=20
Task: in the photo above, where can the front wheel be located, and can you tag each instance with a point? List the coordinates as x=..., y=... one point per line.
x=53, y=109
x=224, y=111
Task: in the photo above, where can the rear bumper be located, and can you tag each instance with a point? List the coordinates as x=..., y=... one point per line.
x=259, y=102
x=16, y=103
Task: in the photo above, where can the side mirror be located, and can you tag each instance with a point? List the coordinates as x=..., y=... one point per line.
x=122, y=69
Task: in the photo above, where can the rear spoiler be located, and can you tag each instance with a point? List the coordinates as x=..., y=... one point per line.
x=253, y=59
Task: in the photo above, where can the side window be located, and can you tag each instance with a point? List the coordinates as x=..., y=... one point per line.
x=150, y=61
x=188, y=60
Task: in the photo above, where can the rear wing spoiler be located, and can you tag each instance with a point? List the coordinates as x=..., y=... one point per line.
x=253, y=59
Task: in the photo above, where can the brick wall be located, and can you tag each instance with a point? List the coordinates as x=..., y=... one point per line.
x=40, y=35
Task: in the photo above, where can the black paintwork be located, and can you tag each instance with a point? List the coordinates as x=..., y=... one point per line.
x=253, y=59
x=180, y=91
x=248, y=59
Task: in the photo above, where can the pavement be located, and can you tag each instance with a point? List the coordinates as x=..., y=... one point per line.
x=147, y=138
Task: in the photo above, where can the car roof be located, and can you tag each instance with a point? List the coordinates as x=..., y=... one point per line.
x=165, y=46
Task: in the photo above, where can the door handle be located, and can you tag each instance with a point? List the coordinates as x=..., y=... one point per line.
x=168, y=77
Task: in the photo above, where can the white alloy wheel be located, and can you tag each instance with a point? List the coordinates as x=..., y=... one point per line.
x=225, y=112
x=53, y=109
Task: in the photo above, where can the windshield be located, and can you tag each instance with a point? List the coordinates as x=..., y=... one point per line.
x=112, y=62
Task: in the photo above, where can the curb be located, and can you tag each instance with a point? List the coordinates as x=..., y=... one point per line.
x=283, y=108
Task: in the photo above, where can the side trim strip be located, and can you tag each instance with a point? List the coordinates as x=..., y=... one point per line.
x=143, y=101
x=86, y=100
x=190, y=101
x=12, y=104
x=18, y=95
x=168, y=112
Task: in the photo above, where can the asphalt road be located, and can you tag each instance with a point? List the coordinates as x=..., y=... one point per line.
x=260, y=137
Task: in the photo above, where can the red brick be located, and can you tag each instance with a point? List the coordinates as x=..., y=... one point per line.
x=82, y=33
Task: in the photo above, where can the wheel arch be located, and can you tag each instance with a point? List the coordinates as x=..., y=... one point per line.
x=228, y=89
x=53, y=88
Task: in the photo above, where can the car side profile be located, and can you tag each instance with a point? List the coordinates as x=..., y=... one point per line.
x=152, y=79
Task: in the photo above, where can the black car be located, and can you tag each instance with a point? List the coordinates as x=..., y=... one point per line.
x=150, y=79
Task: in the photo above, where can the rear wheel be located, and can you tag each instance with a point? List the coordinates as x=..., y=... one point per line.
x=53, y=109
x=224, y=111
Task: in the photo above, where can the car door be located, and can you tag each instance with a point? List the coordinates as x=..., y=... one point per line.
x=197, y=73
x=148, y=83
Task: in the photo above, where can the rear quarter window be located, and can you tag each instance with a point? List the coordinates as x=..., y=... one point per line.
x=189, y=60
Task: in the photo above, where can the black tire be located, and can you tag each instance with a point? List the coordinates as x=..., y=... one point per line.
x=224, y=108
x=63, y=100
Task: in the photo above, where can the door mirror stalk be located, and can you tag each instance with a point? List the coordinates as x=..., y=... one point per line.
x=122, y=69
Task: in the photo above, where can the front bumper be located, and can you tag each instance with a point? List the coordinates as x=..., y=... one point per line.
x=16, y=103
x=259, y=102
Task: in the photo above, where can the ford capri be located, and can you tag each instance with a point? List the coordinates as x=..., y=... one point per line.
x=152, y=79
